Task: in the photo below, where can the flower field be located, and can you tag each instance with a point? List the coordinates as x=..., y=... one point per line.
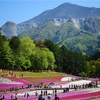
x=26, y=85
x=43, y=79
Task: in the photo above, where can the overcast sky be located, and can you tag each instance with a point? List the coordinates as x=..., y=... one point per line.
x=22, y=10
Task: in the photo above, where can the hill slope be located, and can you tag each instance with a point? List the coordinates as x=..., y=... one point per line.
x=63, y=12
x=77, y=35
x=75, y=26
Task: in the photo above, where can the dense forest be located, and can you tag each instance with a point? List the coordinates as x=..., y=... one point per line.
x=37, y=55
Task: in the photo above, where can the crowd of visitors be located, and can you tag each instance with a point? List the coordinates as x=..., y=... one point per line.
x=42, y=85
x=49, y=97
x=44, y=89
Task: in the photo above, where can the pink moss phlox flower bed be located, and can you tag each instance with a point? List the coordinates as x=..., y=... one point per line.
x=20, y=80
x=8, y=86
x=47, y=81
x=30, y=99
x=23, y=81
x=82, y=96
x=75, y=95
x=94, y=79
x=8, y=97
x=72, y=93
x=52, y=79
x=61, y=84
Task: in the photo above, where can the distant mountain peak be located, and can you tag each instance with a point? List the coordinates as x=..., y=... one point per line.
x=61, y=14
x=10, y=23
x=9, y=29
x=68, y=4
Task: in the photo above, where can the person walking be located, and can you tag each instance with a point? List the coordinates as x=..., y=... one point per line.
x=40, y=97
x=49, y=97
x=56, y=97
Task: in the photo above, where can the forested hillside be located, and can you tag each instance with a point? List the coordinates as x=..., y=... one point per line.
x=37, y=55
x=76, y=35
x=74, y=26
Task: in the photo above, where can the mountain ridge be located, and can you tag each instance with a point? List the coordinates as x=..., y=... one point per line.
x=66, y=24
x=63, y=11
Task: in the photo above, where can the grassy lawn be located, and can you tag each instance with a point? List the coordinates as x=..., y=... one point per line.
x=37, y=77
x=42, y=74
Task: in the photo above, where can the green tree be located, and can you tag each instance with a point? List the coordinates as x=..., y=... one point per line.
x=27, y=46
x=72, y=62
x=56, y=50
x=5, y=55
x=26, y=51
x=21, y=62
x=5, y=52
x=14, y=45
x=39, y=60
x=79, y=63
x=50, y=59
x=64, y=58
x=97, y=68
x=42, y=60
x=40, y=43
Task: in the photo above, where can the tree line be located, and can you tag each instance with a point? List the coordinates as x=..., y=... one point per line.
x=37, y=55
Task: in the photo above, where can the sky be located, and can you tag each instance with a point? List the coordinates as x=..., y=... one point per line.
x=22, y=10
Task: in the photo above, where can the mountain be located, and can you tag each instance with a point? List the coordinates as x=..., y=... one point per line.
x=9, y=29
x=64, y=12
x=76, y=34
x=75, y=26
x=67, y=10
